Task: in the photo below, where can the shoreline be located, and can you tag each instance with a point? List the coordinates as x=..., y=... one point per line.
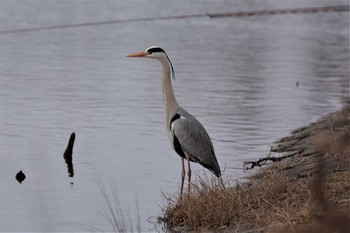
x=302, y=186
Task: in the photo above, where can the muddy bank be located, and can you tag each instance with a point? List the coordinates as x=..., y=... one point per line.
x=302, y=186
x=297, y=154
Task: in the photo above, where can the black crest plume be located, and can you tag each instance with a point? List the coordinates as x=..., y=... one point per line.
x=160, y=50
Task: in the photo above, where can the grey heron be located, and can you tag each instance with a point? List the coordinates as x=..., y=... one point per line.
x=187, y=135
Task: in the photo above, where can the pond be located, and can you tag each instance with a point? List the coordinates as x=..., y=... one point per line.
x=249, y=80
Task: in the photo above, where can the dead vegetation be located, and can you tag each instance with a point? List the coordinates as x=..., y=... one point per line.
x=271, y=203
x=283, y=197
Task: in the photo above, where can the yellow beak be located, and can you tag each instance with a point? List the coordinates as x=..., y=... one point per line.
x=139, y=54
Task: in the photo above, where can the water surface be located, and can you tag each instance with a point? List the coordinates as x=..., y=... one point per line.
x=236, y=75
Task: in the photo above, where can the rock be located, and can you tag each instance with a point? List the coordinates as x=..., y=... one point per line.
x=20, y=176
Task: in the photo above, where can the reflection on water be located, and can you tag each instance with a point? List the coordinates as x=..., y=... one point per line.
x=236, y=75
x=67, y=155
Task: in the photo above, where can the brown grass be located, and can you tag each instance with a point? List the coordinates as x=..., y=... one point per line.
x=273, y=203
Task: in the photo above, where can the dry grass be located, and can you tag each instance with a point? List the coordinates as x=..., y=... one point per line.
x=118, y=218
x=273, y=203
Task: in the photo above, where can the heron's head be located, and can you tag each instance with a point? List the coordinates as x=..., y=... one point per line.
x=156, y=53
x=152, y=52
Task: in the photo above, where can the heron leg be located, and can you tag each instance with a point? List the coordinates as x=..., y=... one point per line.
x=189, y=176
x=182, y=176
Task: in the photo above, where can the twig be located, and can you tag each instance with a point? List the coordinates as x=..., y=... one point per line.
x=262, y=161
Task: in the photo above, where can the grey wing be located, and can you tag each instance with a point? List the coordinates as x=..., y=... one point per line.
x=194, y=141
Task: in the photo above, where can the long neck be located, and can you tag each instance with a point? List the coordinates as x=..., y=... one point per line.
x=170, y=103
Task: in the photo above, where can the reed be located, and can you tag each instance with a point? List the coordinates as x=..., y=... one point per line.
x=118, y=218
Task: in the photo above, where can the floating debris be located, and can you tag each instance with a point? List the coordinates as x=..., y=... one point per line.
x=67, y=155
x=20, y=176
